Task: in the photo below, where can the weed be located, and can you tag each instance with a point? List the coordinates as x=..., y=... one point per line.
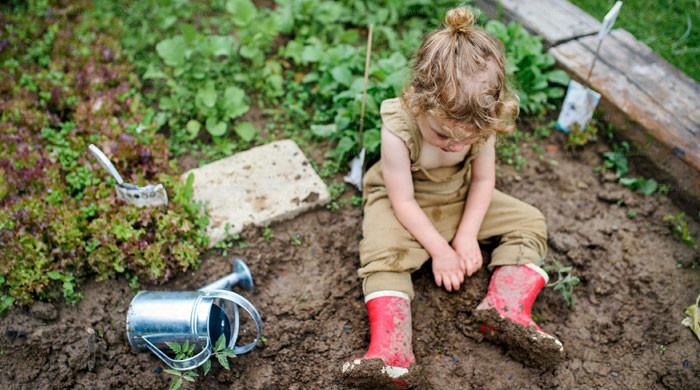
x=295, y=240
x=631, y=214
x=356, y=200
x=578, y=137
x=565, y=282
x=679, y=229
x=267, y=233
x=221, y=352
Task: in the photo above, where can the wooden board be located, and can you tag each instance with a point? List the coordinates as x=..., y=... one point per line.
x=555, y=20
x=649, y=101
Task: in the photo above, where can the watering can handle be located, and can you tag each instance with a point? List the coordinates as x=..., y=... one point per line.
x=106, y=164
x=249, y=308
x=183, y=364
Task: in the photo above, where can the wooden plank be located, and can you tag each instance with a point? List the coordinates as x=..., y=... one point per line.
x=646, y=98
x=554, y=20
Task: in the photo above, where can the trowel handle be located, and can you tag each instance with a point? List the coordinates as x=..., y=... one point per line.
x=106, y=164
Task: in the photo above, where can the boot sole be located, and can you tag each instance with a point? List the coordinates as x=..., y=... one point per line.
x=525, y=344
x=375, y=374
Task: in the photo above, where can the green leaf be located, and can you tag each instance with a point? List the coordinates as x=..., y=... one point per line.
x=216, y=128
x=371, y=140
x=220, y=343
x=324, y=131
x=692, y=317
x=558, y=76
x=206, y=367
x=193, y=128
x=234, y=102
x=221, y=45
x=246, y=131
x=207, y=95
x=223, y=360
x=342, y=75
x=243, y=11
x=176, y=383
x=648, y=187
x=153, y=73
x=311, y=54
x=173, y=372
x=54, y=275
x=172, y=50
x=175, y=347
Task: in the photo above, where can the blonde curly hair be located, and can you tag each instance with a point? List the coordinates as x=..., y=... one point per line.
x=458, y=75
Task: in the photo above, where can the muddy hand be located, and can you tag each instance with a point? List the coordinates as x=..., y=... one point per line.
x=469, y=254
x=447, y=270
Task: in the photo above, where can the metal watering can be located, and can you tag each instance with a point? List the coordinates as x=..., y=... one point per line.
x=199, y=317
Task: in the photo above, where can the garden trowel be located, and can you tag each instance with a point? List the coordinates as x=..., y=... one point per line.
x=580, y=101
x=150, y=195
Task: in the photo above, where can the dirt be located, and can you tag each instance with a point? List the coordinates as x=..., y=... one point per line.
x=623, y=331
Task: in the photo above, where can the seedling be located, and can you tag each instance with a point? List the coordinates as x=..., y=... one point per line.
x=186, y=350
x=295, y=240
x=565, y=282
x=679, y=229
x=267, y=233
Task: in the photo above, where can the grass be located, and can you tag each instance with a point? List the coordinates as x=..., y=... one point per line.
x=670, y=28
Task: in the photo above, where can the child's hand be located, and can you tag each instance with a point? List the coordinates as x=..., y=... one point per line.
x=469, y=254
x=447, y=269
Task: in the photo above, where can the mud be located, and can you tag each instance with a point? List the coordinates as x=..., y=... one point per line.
x=623, y=331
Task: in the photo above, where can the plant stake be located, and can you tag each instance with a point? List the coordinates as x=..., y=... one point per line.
x=357, y=165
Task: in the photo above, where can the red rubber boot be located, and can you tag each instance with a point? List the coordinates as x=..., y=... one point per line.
x=504, y=315
x=389, y=359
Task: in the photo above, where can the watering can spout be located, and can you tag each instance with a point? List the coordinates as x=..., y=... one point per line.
x=240, y=276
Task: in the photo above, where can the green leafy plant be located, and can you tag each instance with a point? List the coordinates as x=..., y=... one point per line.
x=60, y=221
x=186, y=350
x=267, y=233
x=537, y=83
x=565, y=282
x=616, y=161
x=692, y=317
x=679, y=229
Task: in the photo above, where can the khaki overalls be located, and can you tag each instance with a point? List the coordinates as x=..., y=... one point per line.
x=389, y=253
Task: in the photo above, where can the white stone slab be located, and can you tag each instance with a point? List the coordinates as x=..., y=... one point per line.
x=258, y=186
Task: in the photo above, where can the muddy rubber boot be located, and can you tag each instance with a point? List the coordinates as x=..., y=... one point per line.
x=504, y=315
x=389, y=361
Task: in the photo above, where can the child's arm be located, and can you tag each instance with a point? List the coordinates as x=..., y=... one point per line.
x=483, y=181
x=396, y=169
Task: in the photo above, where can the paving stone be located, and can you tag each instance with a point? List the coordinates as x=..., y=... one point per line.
x=258, y=186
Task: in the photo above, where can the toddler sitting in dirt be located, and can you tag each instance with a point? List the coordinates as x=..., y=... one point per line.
x=433, y=186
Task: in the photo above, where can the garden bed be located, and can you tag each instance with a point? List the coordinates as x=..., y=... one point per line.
x=623, y=329
x=73, y=256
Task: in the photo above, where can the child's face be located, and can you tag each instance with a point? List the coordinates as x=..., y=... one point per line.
x=437, y=133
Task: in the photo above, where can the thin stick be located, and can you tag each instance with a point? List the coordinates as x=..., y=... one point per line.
x=595, y=58
x=364, y=93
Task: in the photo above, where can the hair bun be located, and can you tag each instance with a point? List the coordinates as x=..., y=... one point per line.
x=459, y=19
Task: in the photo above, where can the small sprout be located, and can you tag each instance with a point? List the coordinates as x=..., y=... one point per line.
x=565, y=282
x=295, y=240
x=679, y=229
x=356, y=201
x=267, y=233
x=631, y=214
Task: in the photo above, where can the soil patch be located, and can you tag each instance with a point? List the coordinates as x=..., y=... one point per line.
x=624, y=330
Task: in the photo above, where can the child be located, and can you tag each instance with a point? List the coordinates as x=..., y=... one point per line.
x=434, y=185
